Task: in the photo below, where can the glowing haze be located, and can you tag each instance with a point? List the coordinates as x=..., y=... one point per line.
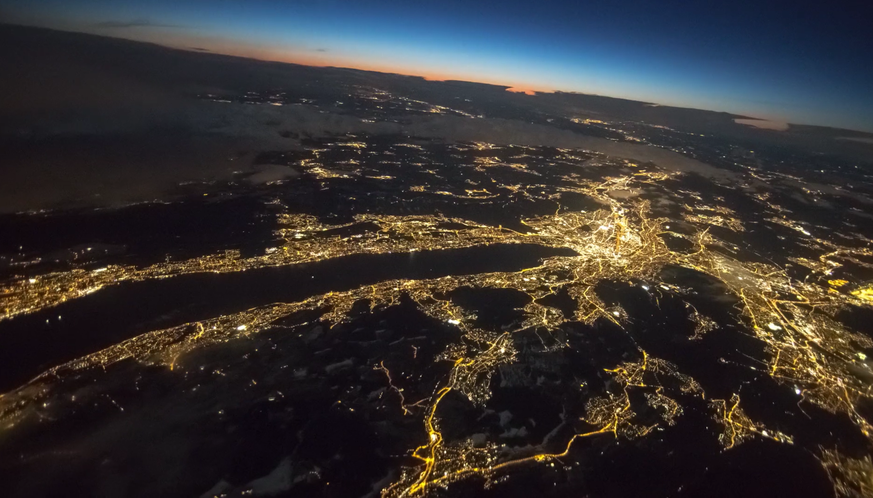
x=796, y=62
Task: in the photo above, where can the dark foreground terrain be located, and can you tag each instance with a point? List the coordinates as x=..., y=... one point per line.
x=226, y=277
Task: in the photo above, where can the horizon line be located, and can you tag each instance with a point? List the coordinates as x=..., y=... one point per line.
x=520, y=89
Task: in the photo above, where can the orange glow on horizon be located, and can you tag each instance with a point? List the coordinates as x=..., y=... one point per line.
x=320, y=58
x=515, y=89
x=224, y=46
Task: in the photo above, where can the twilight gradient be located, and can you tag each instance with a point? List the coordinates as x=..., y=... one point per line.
x=785, y=61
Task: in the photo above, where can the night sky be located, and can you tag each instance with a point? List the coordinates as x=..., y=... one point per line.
x=787, y=61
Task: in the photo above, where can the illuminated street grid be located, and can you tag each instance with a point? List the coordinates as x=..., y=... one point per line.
x=809, y=350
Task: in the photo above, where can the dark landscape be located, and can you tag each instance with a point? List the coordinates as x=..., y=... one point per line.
x=222, y=276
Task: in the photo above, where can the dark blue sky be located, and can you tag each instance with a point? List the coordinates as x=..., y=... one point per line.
x=808, y=63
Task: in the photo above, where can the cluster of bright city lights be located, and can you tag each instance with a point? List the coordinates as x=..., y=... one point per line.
x=809, y=351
